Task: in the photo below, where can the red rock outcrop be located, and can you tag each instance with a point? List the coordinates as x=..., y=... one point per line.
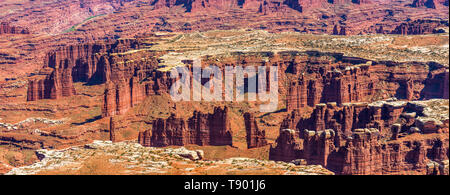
x=438, y=168
x=75, y=22
x=145, y=138
x=337, y=31
x=72, y=64
x=357, y=80
x=294, y=4
x=445, y=87
x=419, y=27
x=112, y=129
x=436, y=85
x=121, y=95
x=50, y=84
x=255, y=137
x=361, y=153
x=6, y=28
x=362, y=138
x=424, y=3
x=348, y=116
x=429, y=3
x=130, y=74
x=342, y=119
x=200, y=129
x=288, y=146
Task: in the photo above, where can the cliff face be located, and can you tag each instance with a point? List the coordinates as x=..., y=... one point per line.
x=200, y=129
x=339, y=31
x=343, y=119
x=429, y=3
x=72, y=64
x=363, y=138
x=255, y=137
x=327, y=81
x=419, y=27
x=112, y=129
x=123, y=94
x=128, y=77
x=87, y=21
x=196, y=6
x=362, y=153
x=50, y=84
x=6, y=28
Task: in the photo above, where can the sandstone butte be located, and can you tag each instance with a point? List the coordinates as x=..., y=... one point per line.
x=369, y=98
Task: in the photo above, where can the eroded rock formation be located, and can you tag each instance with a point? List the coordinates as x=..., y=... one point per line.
x=7, y=28
x=429, y=3
x=129, y=77
x=339, y=31
x=112, y=129
x=419, y=27
x=72, y=64
x=363, y=138
x=121, y=95
x=359, y=80
x=255, y=137
x=200, y=129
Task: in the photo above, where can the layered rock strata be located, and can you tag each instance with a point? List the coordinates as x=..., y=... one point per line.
x=255, y=136
x=364, y=138
x=357, y=80
x=200, y=129
x=7, y=28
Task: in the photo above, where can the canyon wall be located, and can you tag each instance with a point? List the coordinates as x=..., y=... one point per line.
x=7, y=28
x=429, y=3
x=265, y=6
x=419, y=27
x=357, y=80
x=72, y=64
x=361, y=138
x=255, y=137
x=123, y=94
x=200, y=129
x=129, y=74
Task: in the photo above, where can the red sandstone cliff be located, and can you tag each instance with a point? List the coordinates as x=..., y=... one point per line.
x=264, y=6
x=429, y=3
x=330, y=82
x=361, y=139
x=112, y=129
x=6, y=28
x=130, y=77
x=101, y=63
x=419, y=27
x=200, y=129
x=72, y=64
x=339, y=31
x=255, y=137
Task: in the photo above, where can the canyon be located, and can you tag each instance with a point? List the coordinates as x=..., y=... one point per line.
x=363, y=86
